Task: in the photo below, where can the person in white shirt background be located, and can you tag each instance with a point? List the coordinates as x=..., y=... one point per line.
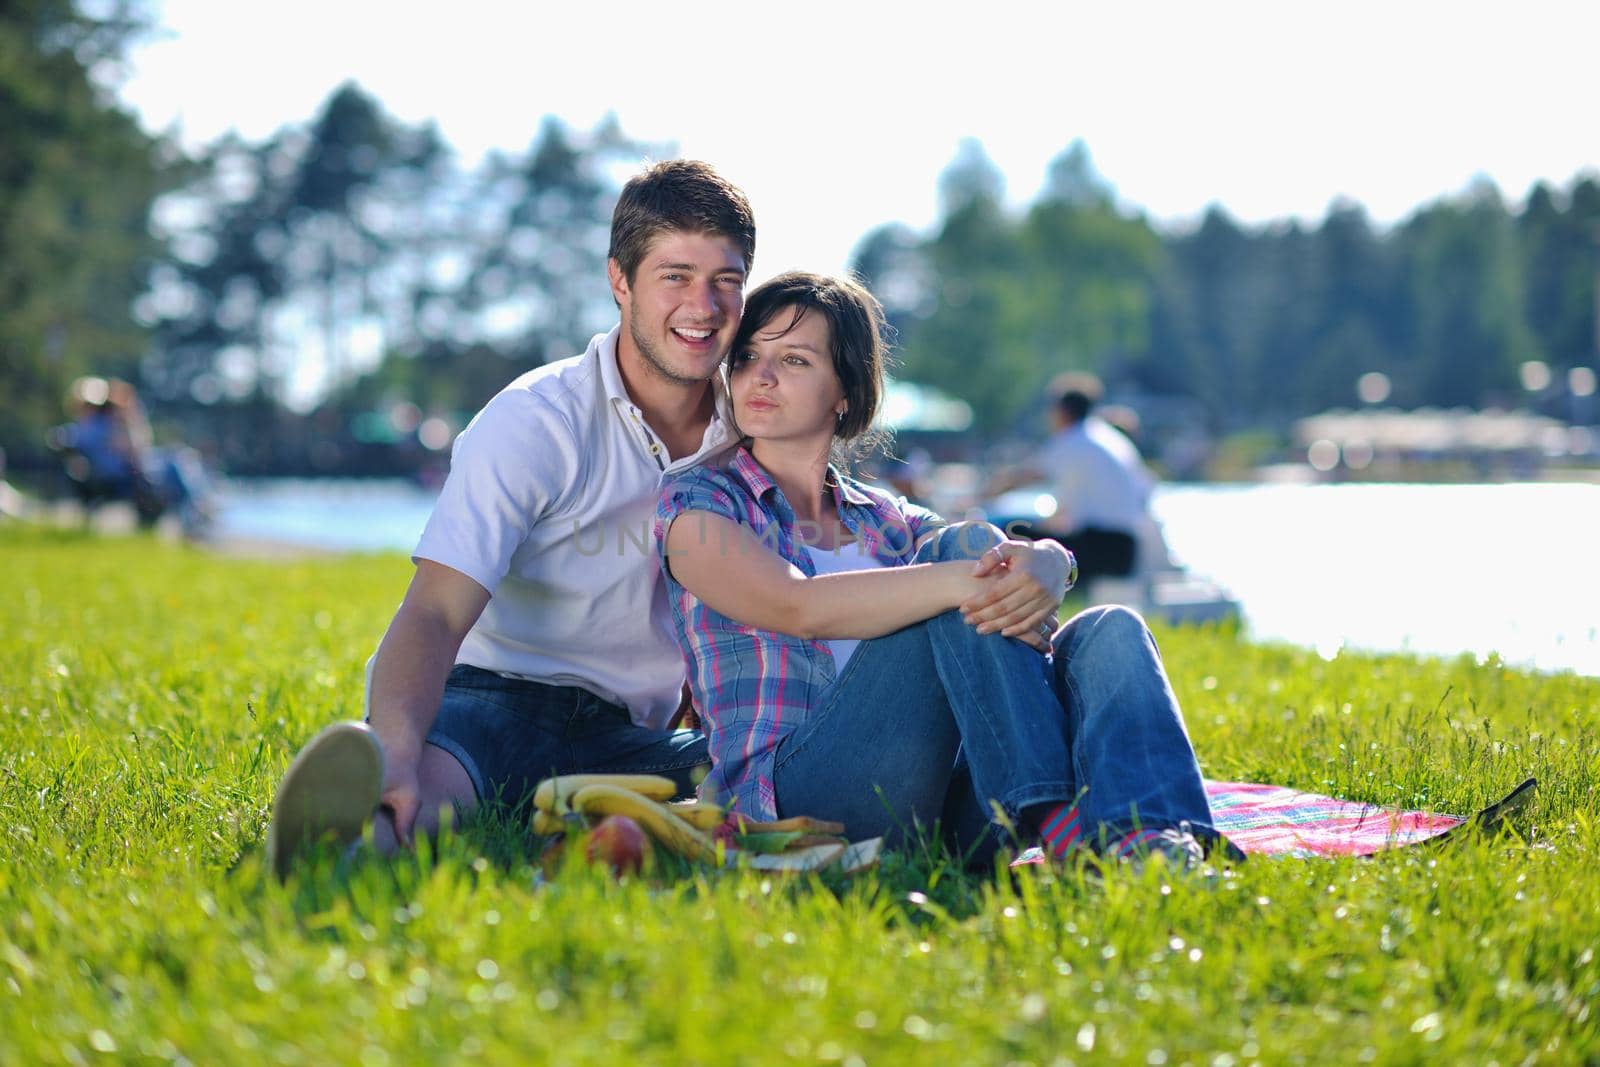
x=1100, y=484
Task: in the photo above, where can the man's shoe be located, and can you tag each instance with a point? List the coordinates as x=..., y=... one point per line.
x=331, y=789
x=1179, y=849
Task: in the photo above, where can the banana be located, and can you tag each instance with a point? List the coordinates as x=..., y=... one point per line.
x=701, y=816
x=657, y=819
x=555, y=794
x=546, y=823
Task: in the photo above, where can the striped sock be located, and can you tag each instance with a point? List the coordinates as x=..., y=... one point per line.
x=1137, y=841
x=1060, y=830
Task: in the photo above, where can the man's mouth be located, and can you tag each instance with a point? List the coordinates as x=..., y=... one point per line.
x=693, y=336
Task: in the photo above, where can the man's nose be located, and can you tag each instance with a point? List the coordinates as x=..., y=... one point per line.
x=702, y=299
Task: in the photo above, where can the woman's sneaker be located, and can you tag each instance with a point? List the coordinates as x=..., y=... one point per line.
x=330, y=790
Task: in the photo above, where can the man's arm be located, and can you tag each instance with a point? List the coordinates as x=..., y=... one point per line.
x=409, y=672
x=1014, y=477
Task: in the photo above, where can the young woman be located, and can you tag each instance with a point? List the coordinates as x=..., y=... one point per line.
x=854, y=658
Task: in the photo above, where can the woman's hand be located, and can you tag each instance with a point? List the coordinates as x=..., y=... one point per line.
x=1029, y=580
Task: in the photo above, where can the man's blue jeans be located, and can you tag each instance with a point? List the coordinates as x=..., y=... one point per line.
x=509, y=733
x=936, y=722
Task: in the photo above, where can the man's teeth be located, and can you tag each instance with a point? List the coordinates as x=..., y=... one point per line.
x=693, y=335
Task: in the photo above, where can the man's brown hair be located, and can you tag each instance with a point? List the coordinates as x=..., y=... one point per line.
x=682, y=195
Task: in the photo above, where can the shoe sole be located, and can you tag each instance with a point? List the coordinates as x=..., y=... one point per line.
x=331, y=789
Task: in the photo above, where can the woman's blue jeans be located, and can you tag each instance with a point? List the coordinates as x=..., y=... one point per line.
x=938, y=723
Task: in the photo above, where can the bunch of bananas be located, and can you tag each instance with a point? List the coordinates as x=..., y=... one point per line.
x=704, y=833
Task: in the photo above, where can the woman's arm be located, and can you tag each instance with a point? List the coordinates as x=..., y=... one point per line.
x=732, y=571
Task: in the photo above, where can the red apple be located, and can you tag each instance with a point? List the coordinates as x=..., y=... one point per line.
x=619, y=843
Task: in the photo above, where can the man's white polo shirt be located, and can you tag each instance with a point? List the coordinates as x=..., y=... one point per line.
x=548, y=506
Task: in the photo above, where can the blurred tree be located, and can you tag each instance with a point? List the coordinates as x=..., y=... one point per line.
x=1360, y=312
x=537, y=281
x=1463, y=284
x=991, y=307
x=286, y=250
x=1560, y=244
x=77, y=177
x=1072, y=179
x=971, y=179
x=890, y=263
x=1218, y=287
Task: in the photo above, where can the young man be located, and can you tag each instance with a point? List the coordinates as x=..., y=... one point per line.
x=535, y=638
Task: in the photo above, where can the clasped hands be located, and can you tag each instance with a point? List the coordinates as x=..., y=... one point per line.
x=1028, y=580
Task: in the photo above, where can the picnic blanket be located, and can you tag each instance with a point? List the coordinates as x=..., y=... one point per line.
x=1277, y=820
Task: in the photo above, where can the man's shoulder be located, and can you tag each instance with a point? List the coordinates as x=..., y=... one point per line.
x=572, y=385
x=712, y=476
x=565, y=396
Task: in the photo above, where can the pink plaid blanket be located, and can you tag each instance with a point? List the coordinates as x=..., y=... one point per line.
x=1276, y=820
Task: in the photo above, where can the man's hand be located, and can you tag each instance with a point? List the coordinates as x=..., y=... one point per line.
x=408, y=679
x=402, y=795
x=1030, y=580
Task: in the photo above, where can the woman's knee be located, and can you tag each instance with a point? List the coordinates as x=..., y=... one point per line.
x=1106, y=624
x=960, y=540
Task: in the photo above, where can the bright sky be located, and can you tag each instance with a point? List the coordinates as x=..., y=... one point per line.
x=835, y=117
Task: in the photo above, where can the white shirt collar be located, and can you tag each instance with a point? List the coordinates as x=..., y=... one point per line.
x=720, y=429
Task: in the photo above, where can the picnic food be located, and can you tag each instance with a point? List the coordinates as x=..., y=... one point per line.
x=672, y=832
x=700, y=815
x=619, y=805
x=554, y=794
x=619, y=843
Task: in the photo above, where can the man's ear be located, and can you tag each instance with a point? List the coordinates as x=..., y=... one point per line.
x=618, y=280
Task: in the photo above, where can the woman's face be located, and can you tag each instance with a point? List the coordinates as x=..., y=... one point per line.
x=783, y=383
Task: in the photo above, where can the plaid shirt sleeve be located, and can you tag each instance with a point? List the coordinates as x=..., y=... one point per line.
x=700, y=489
x=920, y=520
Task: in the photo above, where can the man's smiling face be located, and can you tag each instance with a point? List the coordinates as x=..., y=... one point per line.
x=681, y=308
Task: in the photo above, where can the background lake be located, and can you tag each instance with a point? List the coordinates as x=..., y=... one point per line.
x=1441, y=569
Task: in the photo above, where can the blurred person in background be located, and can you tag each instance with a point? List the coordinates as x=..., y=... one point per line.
x=111, y=456
x=1100, y=484
x=104, y=446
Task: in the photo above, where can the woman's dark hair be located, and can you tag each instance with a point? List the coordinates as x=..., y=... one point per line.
x=855, y=331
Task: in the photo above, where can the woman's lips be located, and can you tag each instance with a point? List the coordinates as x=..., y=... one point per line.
x=760, y=403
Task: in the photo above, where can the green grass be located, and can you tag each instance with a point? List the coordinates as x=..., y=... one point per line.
x=151, y=695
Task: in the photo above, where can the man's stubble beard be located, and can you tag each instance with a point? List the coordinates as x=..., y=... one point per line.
x=654, y=363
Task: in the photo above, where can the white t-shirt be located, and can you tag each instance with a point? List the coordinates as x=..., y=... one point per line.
x=548, y=506
x=1097, y=478
x=850, y=557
